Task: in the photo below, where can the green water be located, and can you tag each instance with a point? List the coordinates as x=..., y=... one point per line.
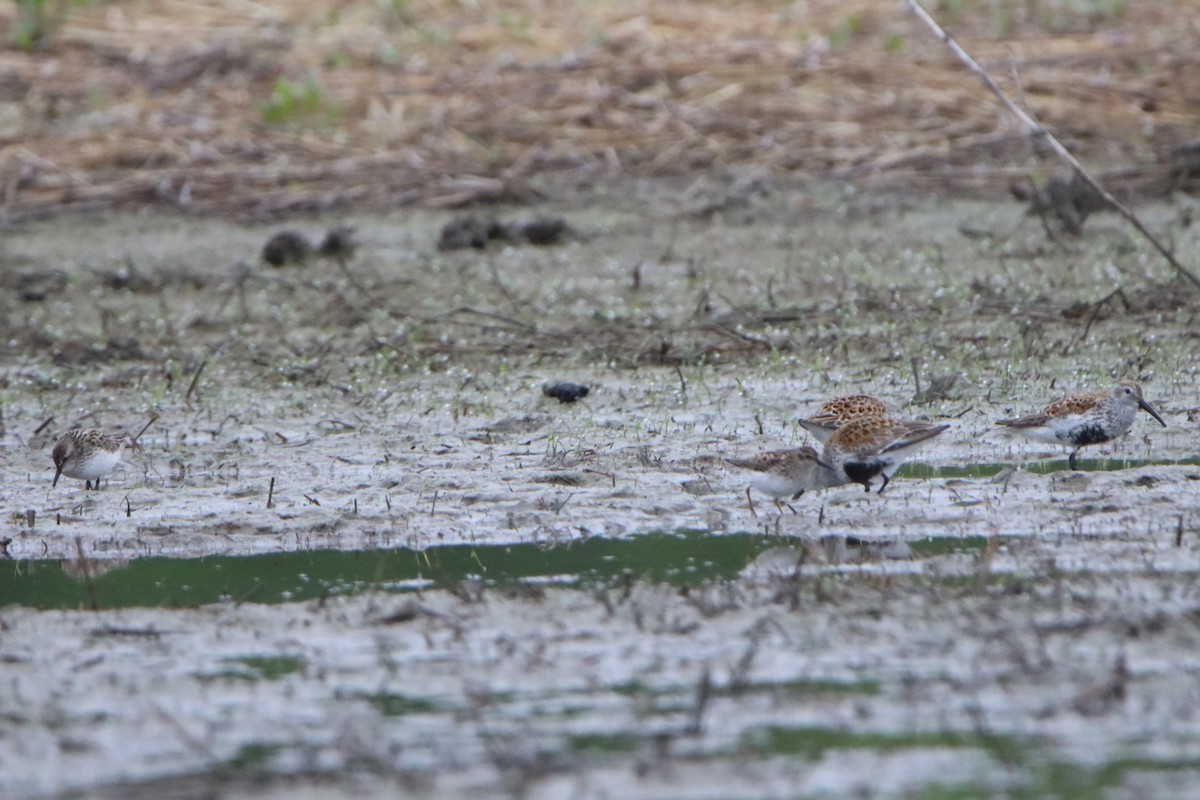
x=684, y=558
x=1041, y=467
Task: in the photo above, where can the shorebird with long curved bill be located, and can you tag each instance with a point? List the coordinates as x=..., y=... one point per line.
x=1088, y=418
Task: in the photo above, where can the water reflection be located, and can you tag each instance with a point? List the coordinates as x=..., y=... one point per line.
x=83, y=569
x=685, y=558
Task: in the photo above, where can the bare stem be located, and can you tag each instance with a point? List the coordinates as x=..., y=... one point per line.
x=1038, y=132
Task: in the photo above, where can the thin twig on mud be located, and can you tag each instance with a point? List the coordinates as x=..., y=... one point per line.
x=1039, y=132
x=704, y=693
x=185, y=736
x=486, y=314
x=146, y=427
x=1099, y=304
x=372, y=297
x=195, y=378
x=718, y=327
x=515, y=302
x=1091, y=320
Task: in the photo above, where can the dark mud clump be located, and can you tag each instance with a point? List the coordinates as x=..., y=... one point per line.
x=287, y=247
x=468, y=231
x=565, y=391
x=291, y=247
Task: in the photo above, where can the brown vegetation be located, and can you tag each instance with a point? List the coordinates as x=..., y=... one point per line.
x=265, y=109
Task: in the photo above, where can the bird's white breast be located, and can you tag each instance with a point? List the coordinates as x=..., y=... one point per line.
x=772, y=484
x=96, y=465
x=1058, y=430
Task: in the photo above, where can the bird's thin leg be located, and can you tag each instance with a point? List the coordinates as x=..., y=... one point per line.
x=750, y=503
x=789, y=505
x=1071, y=458
x=886, y=481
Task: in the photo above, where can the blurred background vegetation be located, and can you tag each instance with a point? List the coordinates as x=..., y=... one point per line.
x=264, y=109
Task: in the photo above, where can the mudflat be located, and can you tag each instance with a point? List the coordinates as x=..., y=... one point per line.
x=993, y=622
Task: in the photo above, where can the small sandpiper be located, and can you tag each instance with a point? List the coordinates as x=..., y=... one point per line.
x=1079, y=420
x=832, y=414
x=866, y=448
x=87, y=454
x=785, y=473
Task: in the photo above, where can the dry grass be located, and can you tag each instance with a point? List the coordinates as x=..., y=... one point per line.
x=264, y=109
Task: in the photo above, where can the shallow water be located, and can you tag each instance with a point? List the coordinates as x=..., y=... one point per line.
x=1044, y=467
x=674, y=559
x=688, y=558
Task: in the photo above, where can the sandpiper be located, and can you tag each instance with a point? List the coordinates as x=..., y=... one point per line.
x=832, y=414
x=785, y=473
x=87, y=454
x=1078, y=420
x=865, y=448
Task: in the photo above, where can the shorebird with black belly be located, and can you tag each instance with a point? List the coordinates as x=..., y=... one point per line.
x=1079, y=420
x=873, y=447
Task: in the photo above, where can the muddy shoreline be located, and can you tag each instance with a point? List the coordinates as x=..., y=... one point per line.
x=399, y=404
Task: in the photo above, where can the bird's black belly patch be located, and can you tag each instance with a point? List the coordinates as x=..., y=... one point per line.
x=1088, y=434
x=862, y=471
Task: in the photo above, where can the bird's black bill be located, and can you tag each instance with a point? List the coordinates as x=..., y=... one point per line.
x=1142, y=404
